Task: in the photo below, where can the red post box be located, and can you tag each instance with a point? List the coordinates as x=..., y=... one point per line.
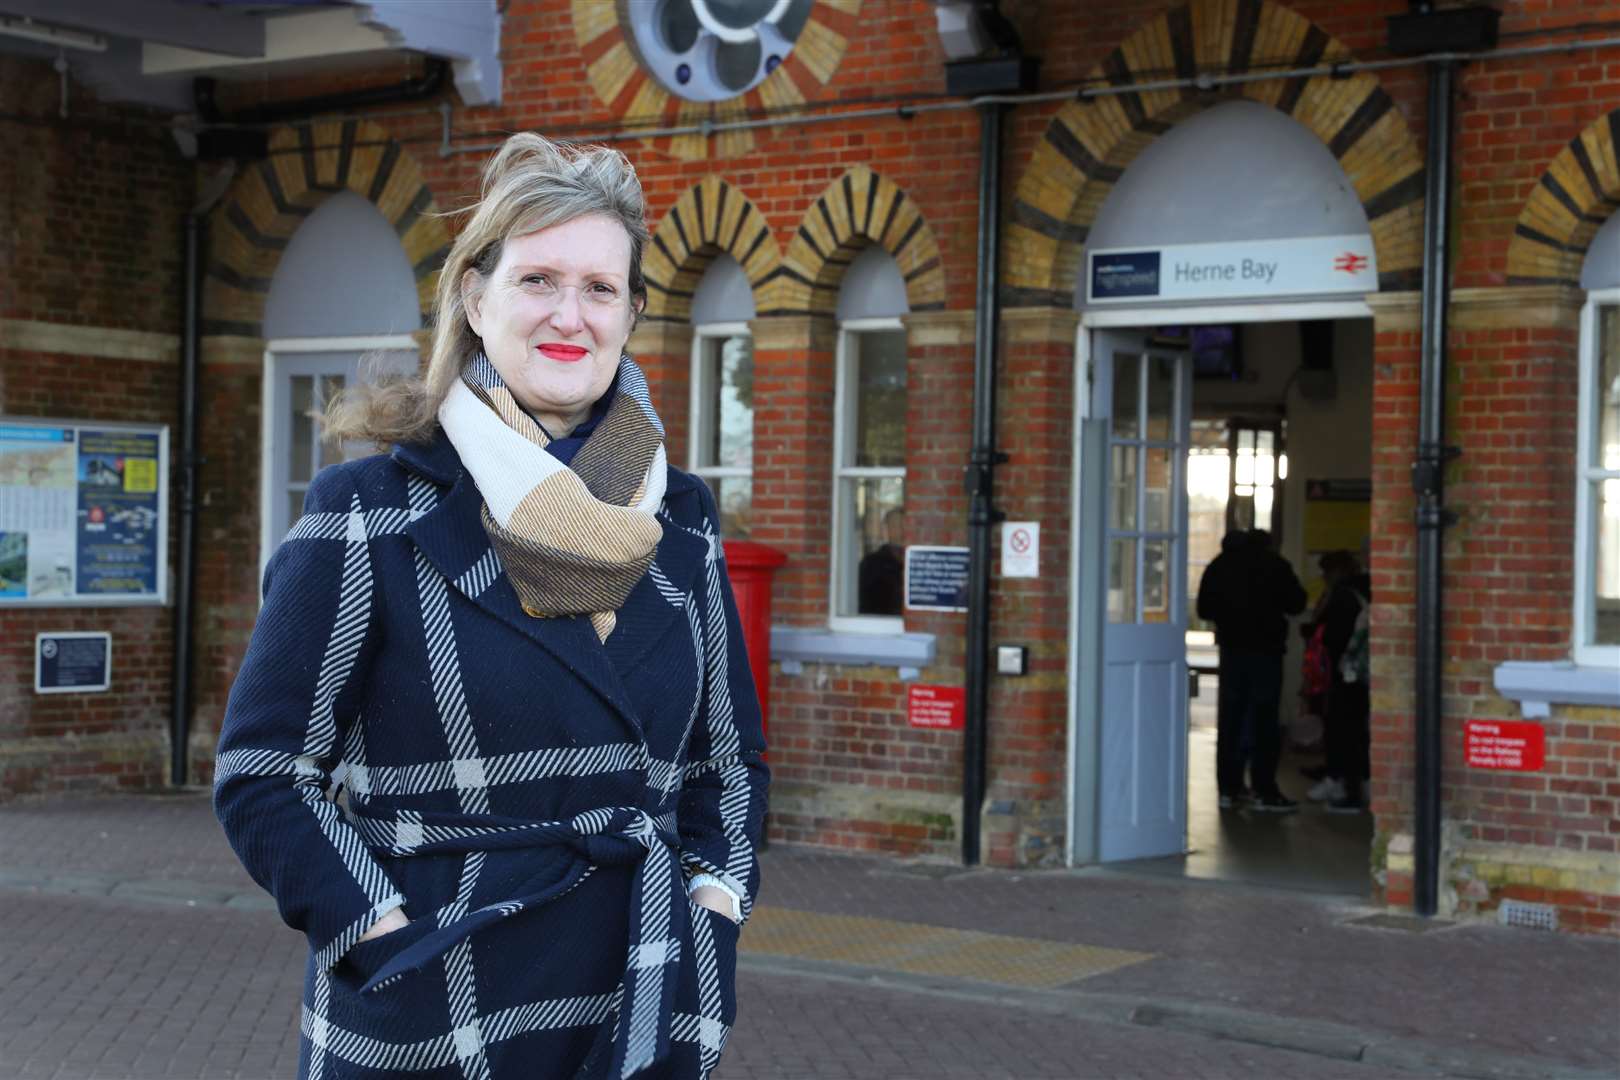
x=751, y=567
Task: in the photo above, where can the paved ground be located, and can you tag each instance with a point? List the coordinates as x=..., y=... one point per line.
x=134, y=948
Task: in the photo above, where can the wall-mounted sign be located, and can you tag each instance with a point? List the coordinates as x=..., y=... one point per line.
x=936, y=578
x=1511, y=745
x=941, y=707
x=83, y=512
x=72, y=662
x=1021, y=549
x=1303, y=266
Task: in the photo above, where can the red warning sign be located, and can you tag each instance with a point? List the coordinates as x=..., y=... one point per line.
x=942, y=707
x=1514, y=745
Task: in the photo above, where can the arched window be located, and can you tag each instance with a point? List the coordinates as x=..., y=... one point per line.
x=1597, y=514
x=869, y=448
x=722, y=418
x=343, y=290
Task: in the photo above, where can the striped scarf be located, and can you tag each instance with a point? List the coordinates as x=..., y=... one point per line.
x=574, y=539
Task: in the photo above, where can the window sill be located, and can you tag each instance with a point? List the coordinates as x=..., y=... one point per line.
x=1538, y=686
x=795, y=646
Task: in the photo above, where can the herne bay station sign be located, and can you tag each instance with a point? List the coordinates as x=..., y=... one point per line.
x=1302, y=266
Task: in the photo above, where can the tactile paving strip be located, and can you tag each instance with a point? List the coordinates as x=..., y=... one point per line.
x=928, y=950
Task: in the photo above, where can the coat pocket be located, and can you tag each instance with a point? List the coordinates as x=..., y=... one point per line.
x=364, y=959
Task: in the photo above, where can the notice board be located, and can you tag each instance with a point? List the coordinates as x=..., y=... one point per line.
x=72, y=662
x=83, y=513
x=936, y=578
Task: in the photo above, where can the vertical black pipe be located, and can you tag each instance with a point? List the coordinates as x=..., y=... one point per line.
x=1428, y=481
x=186, y=570
x=982, y=514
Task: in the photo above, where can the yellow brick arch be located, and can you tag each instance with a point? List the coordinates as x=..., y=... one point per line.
x=270, y=199
x=1090, y=142
x=1575, y=196
x=858, y=209
x=712, y=218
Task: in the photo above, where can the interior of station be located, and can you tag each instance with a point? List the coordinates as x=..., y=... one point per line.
x=1281, y=440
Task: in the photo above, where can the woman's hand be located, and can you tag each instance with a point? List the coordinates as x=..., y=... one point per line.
x=714, y=898
x=394, y=920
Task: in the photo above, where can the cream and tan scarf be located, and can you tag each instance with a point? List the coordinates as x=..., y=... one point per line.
x=574, y=539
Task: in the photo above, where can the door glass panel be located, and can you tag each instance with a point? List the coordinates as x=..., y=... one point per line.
x=1122, y=489
x=300, y=460
x=1122, y=579
x=331, y=450
x=1127, y=382
x=295, y=505
x=1155, y=581
x=1158, y=483
x=1161, y=399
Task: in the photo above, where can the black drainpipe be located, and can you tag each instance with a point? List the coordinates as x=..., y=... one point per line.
x=186, y=570
x=1428, y=482
x=982, y=514
x=230, y=144
x=1428, y=29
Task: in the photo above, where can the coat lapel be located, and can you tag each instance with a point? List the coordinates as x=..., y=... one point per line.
x=452, y=539
x=648, y=615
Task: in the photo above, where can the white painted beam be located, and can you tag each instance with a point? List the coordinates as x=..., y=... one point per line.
x=185, y=25
x=301, y=36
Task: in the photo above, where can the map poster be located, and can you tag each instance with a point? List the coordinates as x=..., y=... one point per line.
x=82, y=512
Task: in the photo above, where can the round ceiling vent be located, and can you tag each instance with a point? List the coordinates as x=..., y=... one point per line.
x=713, y=50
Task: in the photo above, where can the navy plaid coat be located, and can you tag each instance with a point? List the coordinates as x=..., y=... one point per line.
x=401, y=730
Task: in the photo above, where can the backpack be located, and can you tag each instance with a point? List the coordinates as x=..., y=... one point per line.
x=1355, y=664
x=1317, y=673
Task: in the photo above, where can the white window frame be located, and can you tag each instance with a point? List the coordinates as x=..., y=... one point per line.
x=696, y=429
x=1586, y=653
x=271, y=404
x=843, y=432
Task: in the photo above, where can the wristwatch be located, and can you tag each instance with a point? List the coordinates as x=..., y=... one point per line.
x=696, y=880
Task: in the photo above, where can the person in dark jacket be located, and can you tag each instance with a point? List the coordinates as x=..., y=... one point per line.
x=883, y=570
x=1347, y=719
x=1248, y=591
x=495, y=747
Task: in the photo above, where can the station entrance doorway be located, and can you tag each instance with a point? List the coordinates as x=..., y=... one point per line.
x=1196, y=425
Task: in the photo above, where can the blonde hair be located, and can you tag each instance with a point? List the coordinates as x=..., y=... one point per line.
x=531, y=183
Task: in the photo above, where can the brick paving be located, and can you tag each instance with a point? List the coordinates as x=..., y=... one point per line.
x=135, y=948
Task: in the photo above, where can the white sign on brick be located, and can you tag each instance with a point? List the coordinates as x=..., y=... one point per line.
x=1021, y=549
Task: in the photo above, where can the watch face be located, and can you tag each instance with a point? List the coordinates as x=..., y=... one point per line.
x=713, y=50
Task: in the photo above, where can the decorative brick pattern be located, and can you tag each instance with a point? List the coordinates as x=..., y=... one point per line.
x=1574, y=197
x=710, y=219
x=267, y=203
x=636, y=99
x=857, y=209
x=1089, y=143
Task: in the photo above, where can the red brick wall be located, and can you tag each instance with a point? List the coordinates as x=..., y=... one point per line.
x=1508, y=577
x=92, y=208
x=90, y=211
x=117, y=738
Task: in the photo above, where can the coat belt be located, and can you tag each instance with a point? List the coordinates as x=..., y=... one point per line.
x=611, y=836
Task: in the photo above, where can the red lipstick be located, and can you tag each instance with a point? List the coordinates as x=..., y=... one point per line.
x=565, y=353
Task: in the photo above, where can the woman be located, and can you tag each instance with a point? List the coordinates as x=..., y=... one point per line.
x=494, y=747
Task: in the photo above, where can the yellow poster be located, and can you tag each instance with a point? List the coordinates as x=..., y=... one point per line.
x=140, y=475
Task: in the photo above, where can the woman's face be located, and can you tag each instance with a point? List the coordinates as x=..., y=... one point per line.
x=555, y=314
